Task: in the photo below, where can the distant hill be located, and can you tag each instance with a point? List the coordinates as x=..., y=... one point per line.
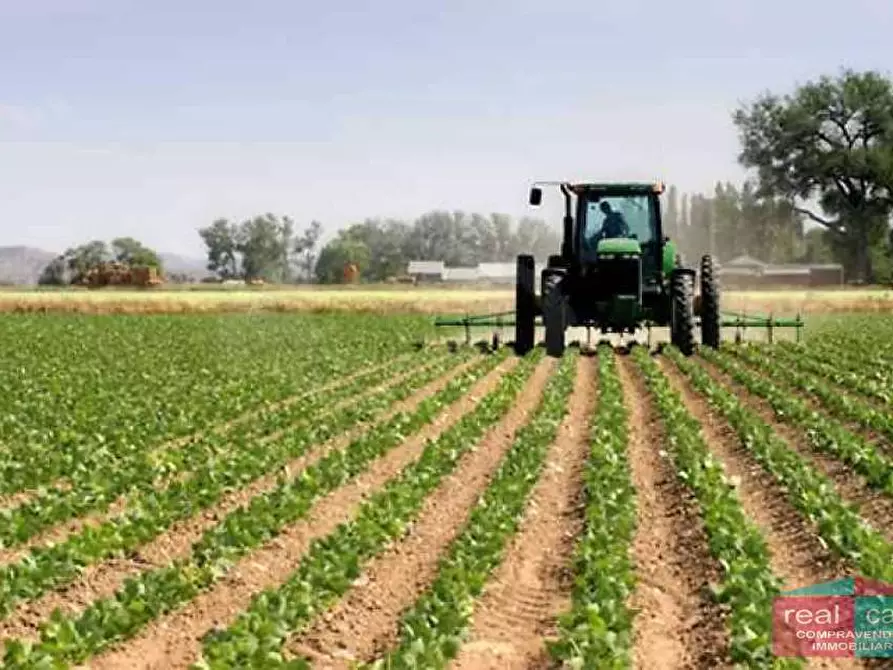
x=23, y=265
x=177, y=264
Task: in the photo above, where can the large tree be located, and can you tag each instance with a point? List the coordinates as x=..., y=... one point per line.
x=828, y=149
x=265, y=243
x=257, y=248
x=133, y=252
x=337, y=254
x=220, y=240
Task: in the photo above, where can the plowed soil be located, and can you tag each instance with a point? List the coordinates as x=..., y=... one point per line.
x=677, y=622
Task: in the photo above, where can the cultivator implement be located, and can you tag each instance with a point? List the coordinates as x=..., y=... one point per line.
x=741, y=322
x=617, y=272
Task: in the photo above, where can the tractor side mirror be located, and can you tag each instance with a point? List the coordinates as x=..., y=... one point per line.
x=536, y=196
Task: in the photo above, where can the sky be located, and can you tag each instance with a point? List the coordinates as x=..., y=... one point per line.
x=153, y=118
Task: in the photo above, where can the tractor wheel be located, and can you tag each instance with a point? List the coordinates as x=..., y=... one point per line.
x=554, y=313
x=710, y=328
x=525, y=304
x=682, y=327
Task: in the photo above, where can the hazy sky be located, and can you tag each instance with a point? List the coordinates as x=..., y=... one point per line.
x=153, y=118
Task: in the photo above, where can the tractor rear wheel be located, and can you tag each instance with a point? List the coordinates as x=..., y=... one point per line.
x=682, y=328
x=710, y=328
x=525, y=304
x=554, y=313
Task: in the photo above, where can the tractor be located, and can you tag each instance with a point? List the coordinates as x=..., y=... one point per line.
x=616, y=272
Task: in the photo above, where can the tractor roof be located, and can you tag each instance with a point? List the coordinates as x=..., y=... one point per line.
x=618, y=188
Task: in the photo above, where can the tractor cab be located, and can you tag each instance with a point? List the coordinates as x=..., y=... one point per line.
x=619, y=220
x=613, y=222
x=616, y=271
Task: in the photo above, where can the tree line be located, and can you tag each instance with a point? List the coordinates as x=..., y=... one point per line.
x=735, y=221
x=820, y=190
x=379, y=248
x=73, y=264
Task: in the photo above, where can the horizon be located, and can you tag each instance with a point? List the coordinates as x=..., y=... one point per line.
x=126, y=120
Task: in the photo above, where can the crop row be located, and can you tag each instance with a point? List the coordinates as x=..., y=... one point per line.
x=860, y=381
x=808, y=491
x=433, y=626
x=858, y=343
x=748, y=584
x=152, y=512
x=597, y=631
x=823, y=433
x=155, y=592
x=147, y=471
x=81, y=391
x=790, y=374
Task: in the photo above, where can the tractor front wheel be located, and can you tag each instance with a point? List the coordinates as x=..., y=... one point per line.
x=525, y=304
x=554, y=313
x=710, y=323
x=682, y=328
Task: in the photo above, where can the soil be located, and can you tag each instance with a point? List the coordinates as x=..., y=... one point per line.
x=798, y=556
x=518, y=610
x=874, y=506
x=102, y=580
x=365, y=622
x=677, y=624
x=174, y=640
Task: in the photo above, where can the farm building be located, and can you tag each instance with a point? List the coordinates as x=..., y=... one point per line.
x=496, y=273
x=742, y=272
x=460, y=275
x=748, y=272
x=426, y=271
x=483, y=273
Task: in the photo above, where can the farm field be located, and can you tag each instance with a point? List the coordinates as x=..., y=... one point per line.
x=311, y=490
x=384, y=299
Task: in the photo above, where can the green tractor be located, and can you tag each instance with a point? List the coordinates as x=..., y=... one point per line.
x=616, y=272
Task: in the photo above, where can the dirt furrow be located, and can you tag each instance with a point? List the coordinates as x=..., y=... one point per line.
x=103, y=579
x=520, y=604
x=874, y=506
x=365, y=622
x=174, y=640
x=13, y=500
x=60, y=533
x=677, y=625
x=798, y=556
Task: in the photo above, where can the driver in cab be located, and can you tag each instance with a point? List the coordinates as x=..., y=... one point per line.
x=614, y=225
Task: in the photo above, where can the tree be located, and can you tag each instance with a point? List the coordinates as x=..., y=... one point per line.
x=830, y=143
x=816, y=247
x=304, y=249
x=220, y=239
x=55, y=273
x=265, y=244
x=337, y=254
x=257, y=248
x=133, y=252
x=385, y=242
